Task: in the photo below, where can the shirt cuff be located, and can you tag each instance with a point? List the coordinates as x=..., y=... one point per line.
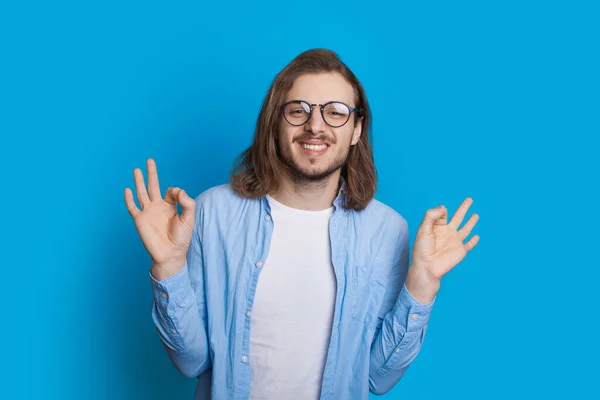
x=410, y=313
x=172, y=292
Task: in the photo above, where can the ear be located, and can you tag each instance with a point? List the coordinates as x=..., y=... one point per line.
x=357, y=131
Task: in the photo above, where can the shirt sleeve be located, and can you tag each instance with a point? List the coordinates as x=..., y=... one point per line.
x=179, y=313
x=399, y=337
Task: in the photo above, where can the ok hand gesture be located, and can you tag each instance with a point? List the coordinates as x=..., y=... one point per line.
x=439, y=246
x=165, y=234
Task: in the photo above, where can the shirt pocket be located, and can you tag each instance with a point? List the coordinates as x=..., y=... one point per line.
x=368, y=287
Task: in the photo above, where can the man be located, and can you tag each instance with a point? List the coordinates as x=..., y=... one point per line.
x=292, y=281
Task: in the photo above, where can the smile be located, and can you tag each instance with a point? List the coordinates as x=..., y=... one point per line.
x=314, y=149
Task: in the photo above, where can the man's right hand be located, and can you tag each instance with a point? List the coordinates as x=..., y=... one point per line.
x=165, y=234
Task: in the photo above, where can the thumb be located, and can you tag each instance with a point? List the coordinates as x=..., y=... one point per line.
x=188, y=206
x=431, y=216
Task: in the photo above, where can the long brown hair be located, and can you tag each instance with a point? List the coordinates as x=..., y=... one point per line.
x=256, y=171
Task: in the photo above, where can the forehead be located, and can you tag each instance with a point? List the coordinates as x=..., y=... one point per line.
x=321, y=88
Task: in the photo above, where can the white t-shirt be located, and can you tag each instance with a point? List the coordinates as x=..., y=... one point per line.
x=293, y=307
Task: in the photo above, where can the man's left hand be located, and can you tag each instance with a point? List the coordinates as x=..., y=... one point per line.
x=438, y=248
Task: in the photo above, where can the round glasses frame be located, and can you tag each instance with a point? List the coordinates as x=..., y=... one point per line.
x=322, y=108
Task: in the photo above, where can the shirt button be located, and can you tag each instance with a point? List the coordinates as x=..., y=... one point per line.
x=267, y=217
x=414, y=316
x=164, y=295
x=248, y=313
x=259, y=264
x=173, y=330
x=397, y=350
x=244, y=359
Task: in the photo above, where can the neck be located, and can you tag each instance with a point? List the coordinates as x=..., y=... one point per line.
x=308, y=195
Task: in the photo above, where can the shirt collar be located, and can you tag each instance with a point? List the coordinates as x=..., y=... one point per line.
x=337, y=203
x=338, y=200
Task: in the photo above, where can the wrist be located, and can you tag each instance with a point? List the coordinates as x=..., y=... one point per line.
x=166, y=269
x=421, y=284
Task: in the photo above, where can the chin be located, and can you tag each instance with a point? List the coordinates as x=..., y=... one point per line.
x=311, y=174
x=302, y=170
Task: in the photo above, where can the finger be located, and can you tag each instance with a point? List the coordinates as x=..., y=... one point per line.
x=188, y=205
x=472, y=243
x=431, y=216
x=459, y=215
x=131, y=207
x=443, y=219
x=153, y=186
x=171, y=196
x=140, y=187
x=466, y=229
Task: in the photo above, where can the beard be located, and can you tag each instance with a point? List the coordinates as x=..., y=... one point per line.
x=300, y=176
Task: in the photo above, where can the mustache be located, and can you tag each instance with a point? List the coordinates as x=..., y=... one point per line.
x=321, y=138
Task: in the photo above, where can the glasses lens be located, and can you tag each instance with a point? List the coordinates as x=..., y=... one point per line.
x=336, y=114
x=296, y=113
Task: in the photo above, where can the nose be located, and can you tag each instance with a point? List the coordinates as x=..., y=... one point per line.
x=315, y=124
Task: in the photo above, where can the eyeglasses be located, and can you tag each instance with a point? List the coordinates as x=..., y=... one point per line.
x=335, y=113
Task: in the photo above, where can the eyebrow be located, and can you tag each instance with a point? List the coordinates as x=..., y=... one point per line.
x=329, y=101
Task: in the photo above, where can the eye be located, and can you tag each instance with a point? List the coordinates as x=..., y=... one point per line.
x=337, y=110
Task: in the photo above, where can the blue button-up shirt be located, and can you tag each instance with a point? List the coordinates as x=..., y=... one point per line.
x=202, y=312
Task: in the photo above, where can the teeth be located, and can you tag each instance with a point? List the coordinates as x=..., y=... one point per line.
x=314, y=147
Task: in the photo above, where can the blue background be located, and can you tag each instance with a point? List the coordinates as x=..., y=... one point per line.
x=494, y=100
